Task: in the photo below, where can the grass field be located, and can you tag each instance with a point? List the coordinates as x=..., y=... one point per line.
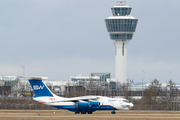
x=99, y=115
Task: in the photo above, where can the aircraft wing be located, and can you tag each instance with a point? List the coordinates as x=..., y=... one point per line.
x=78, y=99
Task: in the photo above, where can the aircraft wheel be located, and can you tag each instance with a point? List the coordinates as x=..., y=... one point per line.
x=83, y=112
x=113, y=112
x=76, y=112
x=89, y=112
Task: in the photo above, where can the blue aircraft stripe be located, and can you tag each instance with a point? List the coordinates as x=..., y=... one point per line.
x=73, y=108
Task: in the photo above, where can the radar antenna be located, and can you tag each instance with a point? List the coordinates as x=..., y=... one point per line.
x=121, y=3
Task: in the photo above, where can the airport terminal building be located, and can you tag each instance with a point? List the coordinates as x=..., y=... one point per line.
x=96, y=77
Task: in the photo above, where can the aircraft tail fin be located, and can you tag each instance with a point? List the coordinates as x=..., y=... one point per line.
x=40, y=89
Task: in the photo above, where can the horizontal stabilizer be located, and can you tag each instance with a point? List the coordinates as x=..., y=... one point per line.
x=37, y=78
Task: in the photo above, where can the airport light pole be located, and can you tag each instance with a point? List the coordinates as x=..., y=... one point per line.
x=143, y=77
x=178, y=100
x=23, y=70
x=142, y=84
x=170, y=74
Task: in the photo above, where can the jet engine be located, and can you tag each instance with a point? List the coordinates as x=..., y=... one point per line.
x=95, y=104
x=83, y=104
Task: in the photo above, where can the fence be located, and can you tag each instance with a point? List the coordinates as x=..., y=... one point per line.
x=45, y=107
x=25, y=107
x=153, y=107
x=29, y=104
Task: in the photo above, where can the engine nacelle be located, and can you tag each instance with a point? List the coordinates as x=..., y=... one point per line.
x=83, y=104
x=95, y=104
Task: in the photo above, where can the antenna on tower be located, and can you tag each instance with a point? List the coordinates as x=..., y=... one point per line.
x=121, y=3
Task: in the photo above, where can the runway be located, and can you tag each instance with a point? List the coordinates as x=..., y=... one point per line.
x=104, y=115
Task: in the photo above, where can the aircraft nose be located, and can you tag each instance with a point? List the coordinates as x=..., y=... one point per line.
x=131, y=105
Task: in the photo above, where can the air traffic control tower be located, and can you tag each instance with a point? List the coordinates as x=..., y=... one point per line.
x=121, y=27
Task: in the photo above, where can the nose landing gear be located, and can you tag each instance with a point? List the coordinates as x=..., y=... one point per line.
x=113, y=112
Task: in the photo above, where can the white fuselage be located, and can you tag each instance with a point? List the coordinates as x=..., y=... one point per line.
x=106, y=103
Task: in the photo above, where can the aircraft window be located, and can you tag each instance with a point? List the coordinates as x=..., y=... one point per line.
x=125, y=101
x=120, y=101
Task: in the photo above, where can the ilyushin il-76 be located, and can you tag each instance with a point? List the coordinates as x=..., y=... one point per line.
x=83, y=105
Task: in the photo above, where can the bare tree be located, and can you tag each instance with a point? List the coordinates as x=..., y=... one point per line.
x=91, y=86
x=173, y=89
x=123, y=89
x=151, y=93
x=23, y=87
x=68, y=89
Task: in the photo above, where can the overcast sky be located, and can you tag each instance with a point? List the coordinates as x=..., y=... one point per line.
x=63, y=38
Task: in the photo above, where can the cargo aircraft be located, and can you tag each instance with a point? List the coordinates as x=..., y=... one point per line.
x=83, y=105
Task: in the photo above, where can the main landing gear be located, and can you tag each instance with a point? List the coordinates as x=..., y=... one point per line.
x=77, y=112
x=82, y=112
x=113, y=112
x=86, y=112
x=89, y=112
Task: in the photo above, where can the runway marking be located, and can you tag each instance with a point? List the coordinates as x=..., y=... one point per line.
x=89, y=114
x=90, y=117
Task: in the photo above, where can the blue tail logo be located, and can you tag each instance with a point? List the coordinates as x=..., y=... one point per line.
x=40, y=89
x=36, y=87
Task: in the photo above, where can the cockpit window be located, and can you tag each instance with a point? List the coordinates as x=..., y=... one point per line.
x=125, y=101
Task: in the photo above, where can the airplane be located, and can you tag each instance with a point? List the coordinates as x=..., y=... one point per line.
x=83, y=105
